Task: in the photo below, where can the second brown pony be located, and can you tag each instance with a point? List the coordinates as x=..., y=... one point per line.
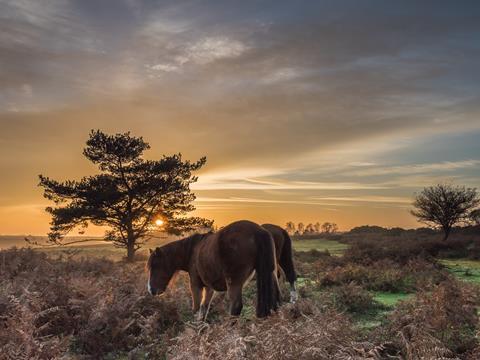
x=221, y=261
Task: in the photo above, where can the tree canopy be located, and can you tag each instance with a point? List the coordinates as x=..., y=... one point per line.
x=475, y=216
x=128, y=194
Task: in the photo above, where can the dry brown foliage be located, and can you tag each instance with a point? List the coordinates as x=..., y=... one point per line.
x=299, y=331
x=90, y=307
x=69, y=307
x=437, y=324
x=384, y=275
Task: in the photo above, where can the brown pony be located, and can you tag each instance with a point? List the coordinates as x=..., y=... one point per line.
x=221, y=261
x=283, y=248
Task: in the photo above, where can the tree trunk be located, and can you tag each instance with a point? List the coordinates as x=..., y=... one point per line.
x=130, y=245
x=446, y=231
x=130, y=250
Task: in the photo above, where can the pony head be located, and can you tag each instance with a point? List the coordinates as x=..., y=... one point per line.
x=160, y=271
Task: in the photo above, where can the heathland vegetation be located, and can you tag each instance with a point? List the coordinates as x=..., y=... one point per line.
x=389, y=293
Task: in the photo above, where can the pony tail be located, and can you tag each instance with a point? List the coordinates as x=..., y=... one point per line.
x=267, y=286
x=286, y=259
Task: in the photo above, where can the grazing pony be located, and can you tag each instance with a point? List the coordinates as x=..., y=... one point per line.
x=221, y=261
x=283, y=249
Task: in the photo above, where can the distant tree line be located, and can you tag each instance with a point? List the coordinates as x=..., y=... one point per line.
x=441, y=207
x=311, y=229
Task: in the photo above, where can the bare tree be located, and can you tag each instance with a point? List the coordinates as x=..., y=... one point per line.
x=445, y=205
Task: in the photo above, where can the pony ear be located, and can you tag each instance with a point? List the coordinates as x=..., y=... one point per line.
x=151, y=251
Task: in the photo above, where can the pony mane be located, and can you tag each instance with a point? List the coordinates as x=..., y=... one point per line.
x=187, y=245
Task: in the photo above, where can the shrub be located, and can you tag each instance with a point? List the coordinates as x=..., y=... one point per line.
x=399, y=251
x=313, y=261
x=311, y=255
x=350, y=298
x=385, y=275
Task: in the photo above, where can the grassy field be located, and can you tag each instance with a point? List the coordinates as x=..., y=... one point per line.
x=464, y=269
x=390, y=299
x=334, y=247
x=107, y=250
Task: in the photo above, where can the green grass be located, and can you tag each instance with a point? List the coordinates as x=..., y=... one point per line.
x=390, y=299
x=334, y=247
x=374, y=319
x=464, y=269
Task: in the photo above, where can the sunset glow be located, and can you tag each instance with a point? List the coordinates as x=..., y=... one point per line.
x=306, y=111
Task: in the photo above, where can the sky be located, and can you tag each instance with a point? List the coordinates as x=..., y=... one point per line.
x=306, y=110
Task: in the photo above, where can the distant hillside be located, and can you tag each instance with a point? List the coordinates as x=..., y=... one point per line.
x=7, y=241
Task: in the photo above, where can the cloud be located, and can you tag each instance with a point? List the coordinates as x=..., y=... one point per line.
x=443, y=167
x=165, y=67
x=252, y=179
x=231, y=202
x=214, y=48
x=202, y=52
x=281, y=74
x=368, y=199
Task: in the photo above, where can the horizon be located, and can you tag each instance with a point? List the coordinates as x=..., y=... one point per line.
x=306, y=112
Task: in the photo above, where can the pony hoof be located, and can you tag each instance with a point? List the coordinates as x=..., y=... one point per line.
x=199, y=317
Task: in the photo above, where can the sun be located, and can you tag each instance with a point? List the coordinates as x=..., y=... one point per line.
x=159, y=222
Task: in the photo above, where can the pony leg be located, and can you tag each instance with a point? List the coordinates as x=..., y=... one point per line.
x=196, y=291
x=291, y=280
x=278, y=293
x=293, y=293
x=234, y=294
x=205, y=304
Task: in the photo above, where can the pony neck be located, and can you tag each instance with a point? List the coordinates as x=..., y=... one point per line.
x=182, y=251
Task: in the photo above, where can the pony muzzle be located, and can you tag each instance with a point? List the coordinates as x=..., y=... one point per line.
x=154, y=291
